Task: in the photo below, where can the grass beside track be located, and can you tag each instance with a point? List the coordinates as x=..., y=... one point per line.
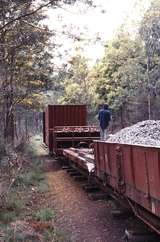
x=26, y=215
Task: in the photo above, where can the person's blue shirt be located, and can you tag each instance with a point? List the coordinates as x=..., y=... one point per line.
x=104, y=117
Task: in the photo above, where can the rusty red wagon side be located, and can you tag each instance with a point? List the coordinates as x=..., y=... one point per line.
x=65, y=126
x=133, y=172
x=71, y=136
x=62, y=115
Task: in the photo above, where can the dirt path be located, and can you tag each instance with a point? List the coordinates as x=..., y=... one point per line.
x=84, y=220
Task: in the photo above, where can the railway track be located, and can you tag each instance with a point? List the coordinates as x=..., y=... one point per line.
x=136, y=232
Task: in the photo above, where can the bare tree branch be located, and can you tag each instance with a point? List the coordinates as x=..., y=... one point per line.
x=27, y=14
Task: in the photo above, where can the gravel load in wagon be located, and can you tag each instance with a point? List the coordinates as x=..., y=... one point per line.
x=143, y=133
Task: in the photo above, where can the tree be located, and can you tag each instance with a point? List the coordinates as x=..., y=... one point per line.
x=24, y=58
x=119, y=74
x=150, y=34
x=77, y=85
x=75, y=82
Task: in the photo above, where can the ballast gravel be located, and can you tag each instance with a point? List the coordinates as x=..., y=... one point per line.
x=143, y=133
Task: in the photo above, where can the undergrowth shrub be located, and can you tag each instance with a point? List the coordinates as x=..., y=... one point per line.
x=55, y=236
x=43, y=187
x=11, y=235
x=30, y=178
x=45, y=214
x=12, y=209
x=7, y=216
x=14, y=202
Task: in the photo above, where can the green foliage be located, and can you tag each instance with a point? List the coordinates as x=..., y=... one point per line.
x=127, y=77
x=12, y=209
x=73, y=93
x=150, y=34
x=32, y=150
x=150, y=30
x=14, y=202
x=55, y=236
x=17, y=222
x=30, y=178
x=45, y=214
x=7, y=216
x=75, y=83
x=25, y=61
x=119, y=74
x=36, y=175
x=12, y=235
x=43, y=187
x=48, y=235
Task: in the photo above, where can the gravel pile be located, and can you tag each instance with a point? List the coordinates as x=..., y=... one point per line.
x=143, y=133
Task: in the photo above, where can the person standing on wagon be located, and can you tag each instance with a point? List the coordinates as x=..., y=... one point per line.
x=104, y=118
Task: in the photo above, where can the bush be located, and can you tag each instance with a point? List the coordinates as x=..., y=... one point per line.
x=7, y=216
x=45, y=214
x=43, y=188
x=14, y=202
x=55, y=236
x=16, y=235
x=12, y=208
x=30, y=178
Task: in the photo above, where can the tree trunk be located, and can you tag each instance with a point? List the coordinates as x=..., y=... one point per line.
x=26, y=127
x=121, y=117
x=149, y=87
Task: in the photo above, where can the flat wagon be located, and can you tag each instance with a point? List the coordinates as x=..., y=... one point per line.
x=81, y=159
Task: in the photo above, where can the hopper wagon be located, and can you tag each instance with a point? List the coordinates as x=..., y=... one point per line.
x=130, y=173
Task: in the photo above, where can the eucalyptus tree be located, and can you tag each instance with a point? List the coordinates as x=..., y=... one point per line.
x=150, y=34
x=25, y=57
x=75, y=86
x=121, y=76
x=22, y=53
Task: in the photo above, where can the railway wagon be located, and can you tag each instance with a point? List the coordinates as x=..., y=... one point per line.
x=81, y=159
x=65, y=126
x=62, y=115
x=133, y=173
x=73, y=136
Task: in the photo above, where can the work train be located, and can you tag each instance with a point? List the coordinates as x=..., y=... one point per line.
x=130, y=173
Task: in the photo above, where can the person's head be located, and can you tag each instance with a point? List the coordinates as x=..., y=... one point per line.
x=105, y=106
x=100, y=106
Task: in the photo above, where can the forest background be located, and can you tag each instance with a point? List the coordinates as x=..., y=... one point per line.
x=127, y=77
